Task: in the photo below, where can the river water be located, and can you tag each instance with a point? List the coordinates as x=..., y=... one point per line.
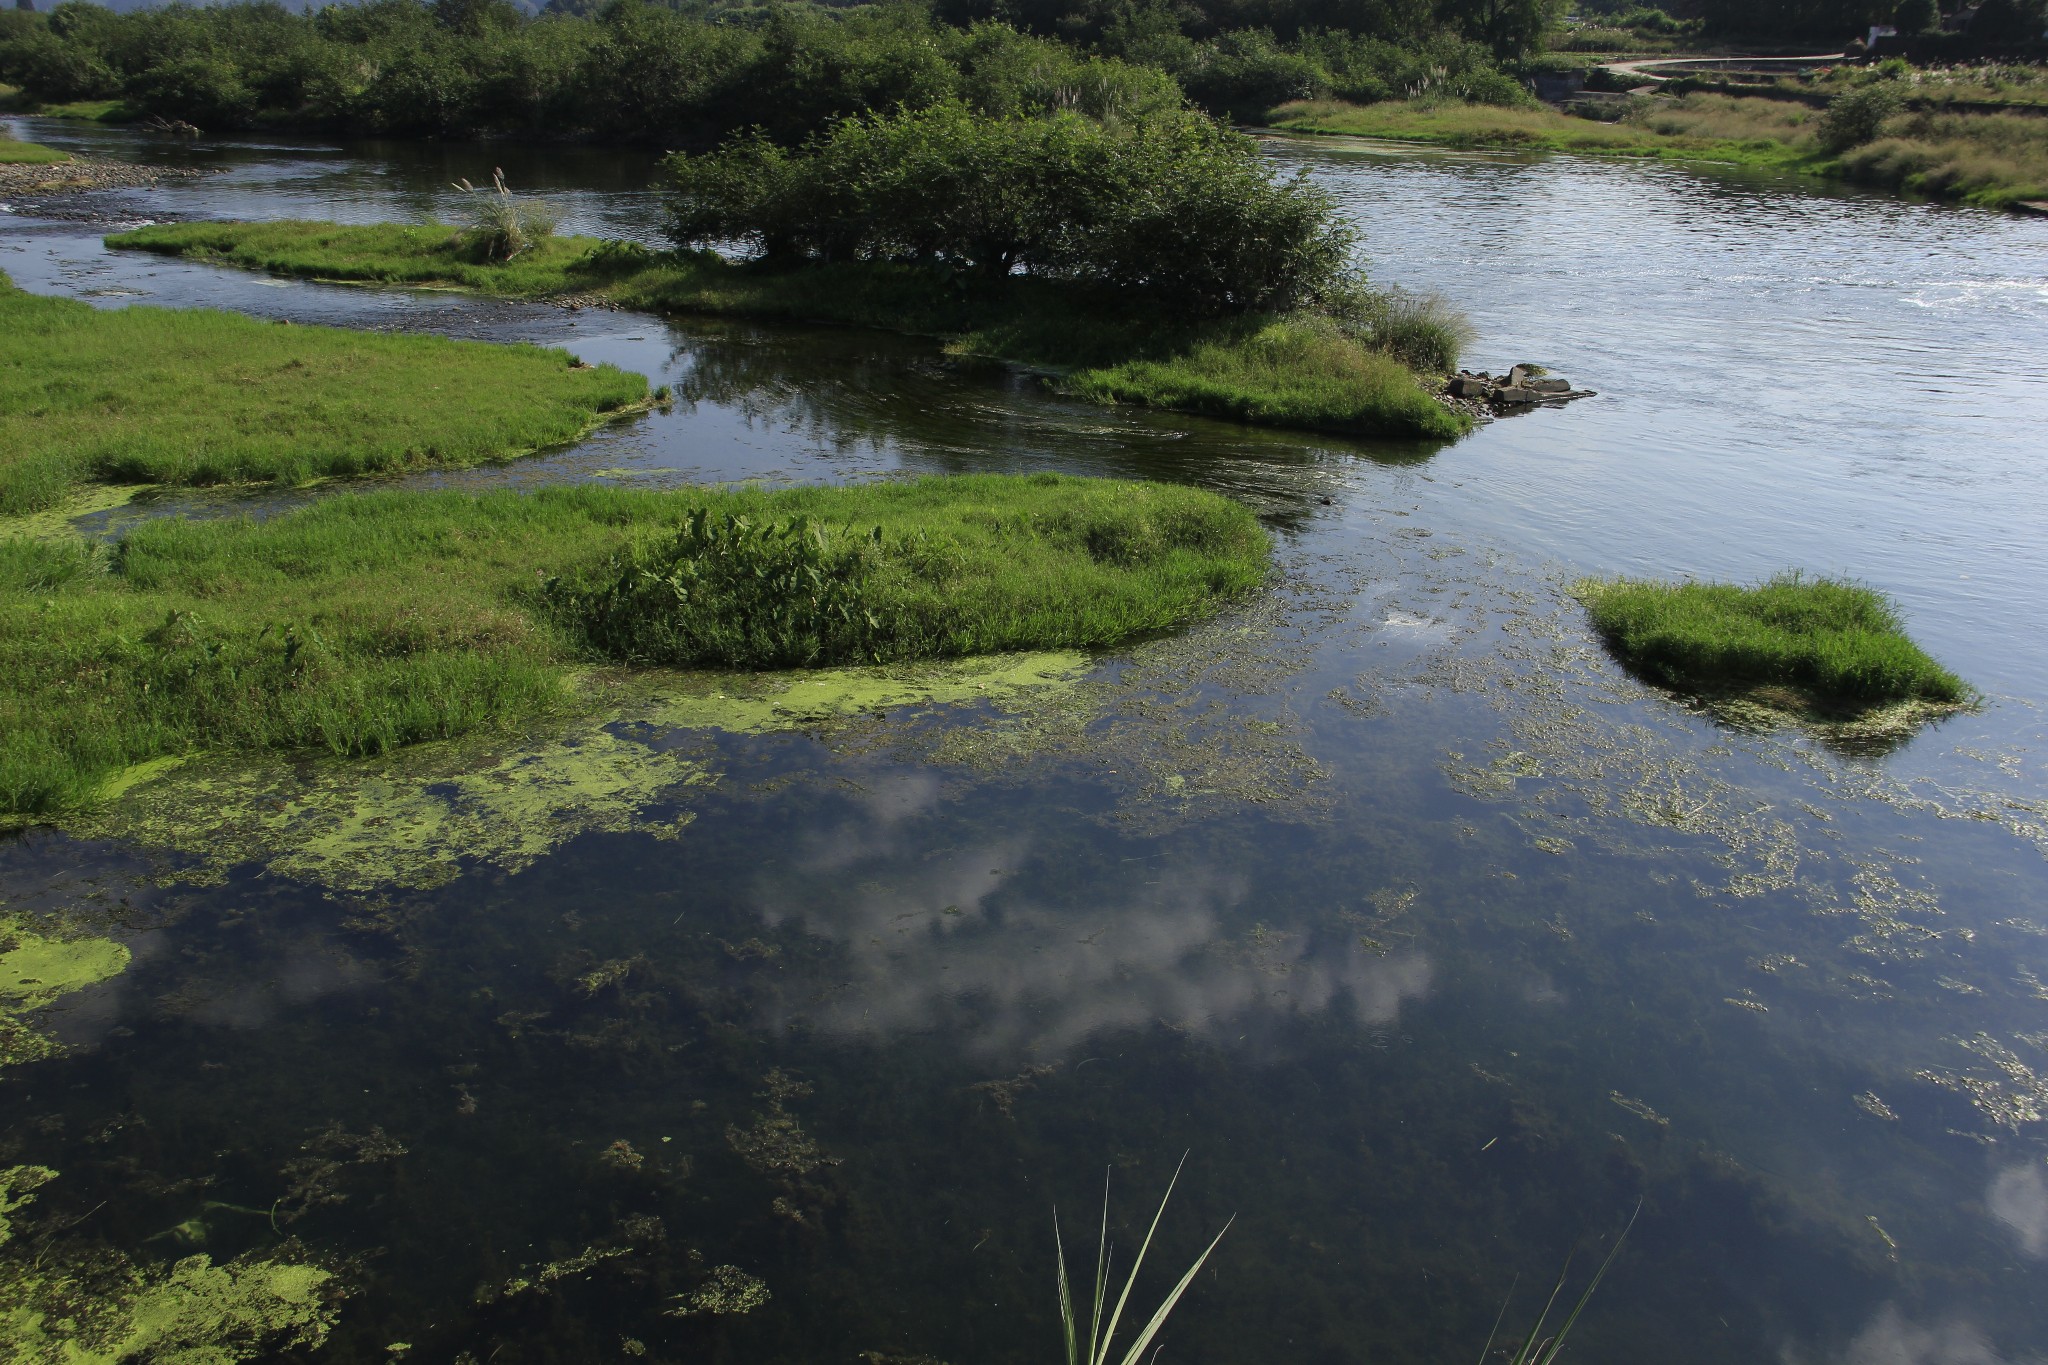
x=1439, y=944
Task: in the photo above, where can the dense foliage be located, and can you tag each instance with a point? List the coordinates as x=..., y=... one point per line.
x=1173, y=207
x=642, y=72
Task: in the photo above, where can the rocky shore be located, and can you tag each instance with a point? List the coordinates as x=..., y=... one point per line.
x=1523, y=387
x=81, y=173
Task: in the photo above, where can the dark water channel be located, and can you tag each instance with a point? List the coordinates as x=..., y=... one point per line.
x=1439, y=943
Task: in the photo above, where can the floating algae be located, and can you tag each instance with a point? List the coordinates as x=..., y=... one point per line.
x=90, y=1306
x=758, y=703
x=407, y=819
x=35, y=971
x=2015, y=1095
x=726, y=1290
x=412, y=818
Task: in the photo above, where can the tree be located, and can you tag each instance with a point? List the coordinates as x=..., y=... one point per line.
x=1917, y=16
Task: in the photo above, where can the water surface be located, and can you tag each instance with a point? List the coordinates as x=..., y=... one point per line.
x=1439, y=943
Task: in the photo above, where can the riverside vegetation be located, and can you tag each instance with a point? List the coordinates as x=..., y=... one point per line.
x=370, y=621
x=1866, y=133
x=154, y=395
x=1156, y=260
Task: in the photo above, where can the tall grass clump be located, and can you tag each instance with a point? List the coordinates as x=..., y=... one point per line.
x=1840, y=642
x=502, y=225
x=193, y=396
x=14, y=152
x=369, y=621
x=1424, y=331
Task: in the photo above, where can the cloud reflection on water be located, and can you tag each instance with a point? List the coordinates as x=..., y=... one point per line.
x=934, y=935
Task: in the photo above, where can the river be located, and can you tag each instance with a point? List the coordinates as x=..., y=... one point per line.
x=1438, y=944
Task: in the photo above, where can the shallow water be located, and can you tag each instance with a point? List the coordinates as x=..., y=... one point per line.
x=1438, y=943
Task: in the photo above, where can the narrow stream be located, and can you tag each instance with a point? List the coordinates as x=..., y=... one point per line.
x=1437, y=942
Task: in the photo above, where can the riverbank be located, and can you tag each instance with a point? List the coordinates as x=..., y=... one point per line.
x=368, y=622
x=195, y=397
x=1224, y=369
x=1993, y=160
x=14, y=152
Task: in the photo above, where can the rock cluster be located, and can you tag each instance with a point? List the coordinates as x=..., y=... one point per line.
x=63, y=177
x=1521, y=387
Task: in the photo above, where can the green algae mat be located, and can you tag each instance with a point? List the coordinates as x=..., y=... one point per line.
x=193, y=396
x=367, y=623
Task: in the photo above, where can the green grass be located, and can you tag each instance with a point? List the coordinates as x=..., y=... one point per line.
x=1837, y=642
x=1284, y=373
x=192, y=396
x=88, y=111
x=14, y=152
x=368, y=621
x=1109, y=353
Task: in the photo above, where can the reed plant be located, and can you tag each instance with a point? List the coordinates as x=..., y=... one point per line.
x=1537, y=1348
x=502, y=225
x=1097, y=1345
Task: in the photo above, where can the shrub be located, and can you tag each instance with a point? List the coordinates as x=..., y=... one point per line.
x=1172, y=207
x=1857, y=116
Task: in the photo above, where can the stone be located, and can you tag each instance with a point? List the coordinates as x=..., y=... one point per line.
x=1466, y=386
x=1548, y=385
x=1513, y=393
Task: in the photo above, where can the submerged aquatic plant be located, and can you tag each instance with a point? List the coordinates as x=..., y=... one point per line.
x=1536, y=1348
x=1100, y=1336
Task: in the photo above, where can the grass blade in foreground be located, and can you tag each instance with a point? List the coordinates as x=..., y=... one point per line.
x=1100, y=1342
x=1537, y=1349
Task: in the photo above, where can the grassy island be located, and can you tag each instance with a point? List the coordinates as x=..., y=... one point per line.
x=1825, y=644
x=365, y=622
x=192, y=396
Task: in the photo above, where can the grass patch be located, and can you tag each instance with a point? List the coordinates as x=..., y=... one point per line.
x=14, y=152
x=1290, y=373
x=1319, y=386
x=87, y=111
x=192, y=396
x=1838, y=644
x=370, y=621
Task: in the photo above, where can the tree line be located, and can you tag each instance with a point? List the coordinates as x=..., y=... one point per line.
x=633, y=71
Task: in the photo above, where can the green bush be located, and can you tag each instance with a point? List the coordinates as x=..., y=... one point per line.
x=1857, y=116
x=1838, y=640
x=1171, y=207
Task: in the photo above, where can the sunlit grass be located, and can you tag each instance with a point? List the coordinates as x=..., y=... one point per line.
x=14, y=152
x=365, y=622
x=193, y=396
x=1840, y=642
x=1290, y=372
